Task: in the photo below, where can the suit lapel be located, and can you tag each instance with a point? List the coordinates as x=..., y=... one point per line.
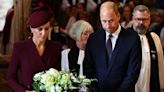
x=101, y=49
x=103, y=55
x=118, y=45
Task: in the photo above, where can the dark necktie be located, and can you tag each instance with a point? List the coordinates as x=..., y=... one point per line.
x=109, y=48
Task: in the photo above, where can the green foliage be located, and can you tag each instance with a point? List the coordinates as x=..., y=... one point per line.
x=59, y=81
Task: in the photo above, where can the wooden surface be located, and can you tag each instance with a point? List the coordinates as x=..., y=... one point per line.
x=4, y=60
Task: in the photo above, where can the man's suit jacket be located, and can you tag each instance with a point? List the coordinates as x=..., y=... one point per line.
x=26, y=60
x=123, y=71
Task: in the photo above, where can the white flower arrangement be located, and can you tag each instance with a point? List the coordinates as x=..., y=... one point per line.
x=53, y=80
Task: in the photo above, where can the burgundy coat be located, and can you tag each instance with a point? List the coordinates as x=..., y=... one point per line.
x=26, y=62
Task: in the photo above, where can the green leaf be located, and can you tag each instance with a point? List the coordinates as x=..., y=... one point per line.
x=36, y=86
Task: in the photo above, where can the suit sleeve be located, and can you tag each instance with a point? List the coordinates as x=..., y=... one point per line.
x=89, y=69
x=13, y=71
x=133, y=70
x=88, y=64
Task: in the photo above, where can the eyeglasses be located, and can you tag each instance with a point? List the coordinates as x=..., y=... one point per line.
x=141, y=19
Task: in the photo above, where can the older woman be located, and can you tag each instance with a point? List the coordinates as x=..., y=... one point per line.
x=35, y=54
x=72, y=58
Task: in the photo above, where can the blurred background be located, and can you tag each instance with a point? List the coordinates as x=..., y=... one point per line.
x=14, y=16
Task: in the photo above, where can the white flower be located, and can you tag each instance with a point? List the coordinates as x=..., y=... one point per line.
x=65, y=79
x=52, y=89
x=37, y=77
x=81, y=77
x=86, y=82
x=48, y=80
x=58, y=88
x=59, y=81
x=53, y=72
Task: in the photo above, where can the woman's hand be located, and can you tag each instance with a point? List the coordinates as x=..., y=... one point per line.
x=30, y=91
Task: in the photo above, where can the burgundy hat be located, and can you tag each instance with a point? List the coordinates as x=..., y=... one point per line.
x=39, y=16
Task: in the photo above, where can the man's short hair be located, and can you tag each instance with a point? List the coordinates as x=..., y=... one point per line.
x=141, y=8
x=114, y=6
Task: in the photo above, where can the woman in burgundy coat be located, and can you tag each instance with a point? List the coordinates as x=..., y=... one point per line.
x=34, y=55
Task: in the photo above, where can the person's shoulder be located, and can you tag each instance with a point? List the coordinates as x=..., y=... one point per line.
x=130, y=34
x=22, y=43
x=130, y=31
x=154, y=35
x=97, y=33
x=53, y=44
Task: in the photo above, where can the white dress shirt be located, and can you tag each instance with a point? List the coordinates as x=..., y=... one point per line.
x=114, y=36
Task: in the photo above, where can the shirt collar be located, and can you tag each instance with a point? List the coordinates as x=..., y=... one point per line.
x=115, y=34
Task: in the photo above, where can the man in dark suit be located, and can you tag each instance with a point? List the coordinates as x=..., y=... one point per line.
x=117, y=70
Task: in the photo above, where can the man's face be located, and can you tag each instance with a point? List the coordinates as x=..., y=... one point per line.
x=109, y=20
x=141, y=21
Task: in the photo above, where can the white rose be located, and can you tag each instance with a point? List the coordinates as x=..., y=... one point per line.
x=37, y=76
x=52, y=89
x=58, y=88
x=65, y=79
x=48, y=80
x=53, y=72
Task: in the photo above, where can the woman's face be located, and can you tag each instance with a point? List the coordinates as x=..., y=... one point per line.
x=85, y=36
x=41, y=33
x=127, y=12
